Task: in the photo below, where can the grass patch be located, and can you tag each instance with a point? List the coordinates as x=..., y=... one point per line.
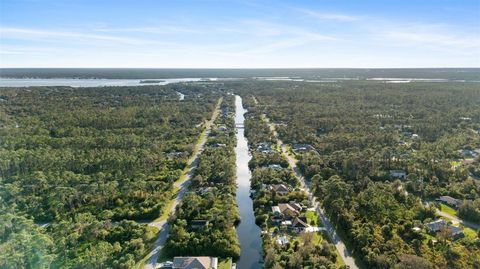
x=339, y=261
x=153, y=232
x=469, y=233
x=447, y=209
x=168, y=207
x=225, y=264
x=455, y=164
x=312, y=217
x=317, y=238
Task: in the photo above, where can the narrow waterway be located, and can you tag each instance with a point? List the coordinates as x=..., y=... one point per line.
x=248, y=232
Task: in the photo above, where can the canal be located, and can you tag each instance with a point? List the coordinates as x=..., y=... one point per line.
x=248, y=232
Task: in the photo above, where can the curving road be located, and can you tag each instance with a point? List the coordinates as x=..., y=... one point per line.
x=455, y=219
x=337, y=241
x=182, y=185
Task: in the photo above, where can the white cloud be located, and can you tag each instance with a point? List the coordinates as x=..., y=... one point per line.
x=433, y=36
x=48, y=35
x=152, y=30
x=329, y=16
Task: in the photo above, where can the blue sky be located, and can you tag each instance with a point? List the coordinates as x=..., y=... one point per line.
x=240, y=33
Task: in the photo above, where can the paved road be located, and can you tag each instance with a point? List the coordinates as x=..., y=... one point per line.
x=337, y=241
x=455, y=219
x=182, y=185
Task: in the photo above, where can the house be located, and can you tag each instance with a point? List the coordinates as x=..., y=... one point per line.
x=450, y=201
x=175, y=154
x=469, y=153
x=400, y=174
x=299, y=224
x=457, y=232
x=282, y=240
x=296, y=206
x=279, y=189
x=202, y=262
x=436, y=226
x=222, y=128
x=275, y=166
x=218, y=145
x=302, y=148
x=265, y=147
x=284, y=211
x=198, y=224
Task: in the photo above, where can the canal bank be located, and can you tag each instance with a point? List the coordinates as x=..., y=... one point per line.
x=249, y=234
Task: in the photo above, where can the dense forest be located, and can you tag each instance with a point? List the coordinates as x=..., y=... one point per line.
x=82, y=168
x=307, y=73
x=204, y=222
x=361, y=131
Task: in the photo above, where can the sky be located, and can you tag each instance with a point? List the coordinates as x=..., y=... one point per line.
x=240, y=33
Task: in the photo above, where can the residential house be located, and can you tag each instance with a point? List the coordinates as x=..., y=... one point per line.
x=450, y=201
x=436, y=226
x=302, y=148
x=457, y=232
x=218, y=145
x=469, y=153
x=282, y=240
x=222, y=128
x=275, y=166
x=299, y=224
x=201, y=262
x=284, y=211
x=400, y=174
x=279, y=189
x=265, y=147
x=296, y=206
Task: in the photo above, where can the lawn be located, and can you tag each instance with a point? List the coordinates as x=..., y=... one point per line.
x=339, y=261
x=470, y=233
x=455, y=164
x=167, y=209
x=312, y=216
x=225, y=264
x=152, y=231
x=449, y=210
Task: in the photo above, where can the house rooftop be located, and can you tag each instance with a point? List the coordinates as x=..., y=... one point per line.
x=201, y=262
x=436, y=225
x=299, y=223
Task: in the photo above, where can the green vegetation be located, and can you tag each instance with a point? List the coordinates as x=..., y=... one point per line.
x=90, y=163
x=362, y=130
x=95, y=164
x=300, y=249
x=447, y=209
x=203, y=224
x=470, y=210
x=225, y=264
